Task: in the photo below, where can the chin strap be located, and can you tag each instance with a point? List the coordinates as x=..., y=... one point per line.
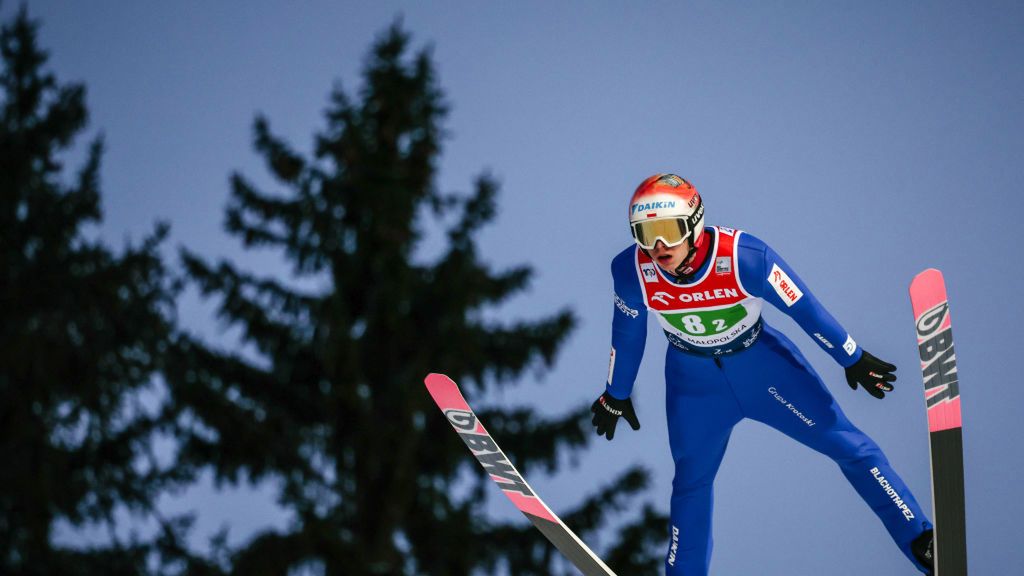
x=686, y=271
x=681, y=270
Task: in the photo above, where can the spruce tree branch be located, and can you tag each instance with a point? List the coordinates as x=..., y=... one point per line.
x=286, y=165
x=591, y=514
x=504, y=352
x=232, y=420
x=640, y=546
x=252, y=215
x=273, y=317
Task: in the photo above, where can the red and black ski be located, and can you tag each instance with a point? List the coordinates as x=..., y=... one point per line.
x=448, y=398
x=942, y=398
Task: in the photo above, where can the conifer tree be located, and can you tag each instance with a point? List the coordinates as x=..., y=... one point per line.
x=334, y=410
x=82, y=334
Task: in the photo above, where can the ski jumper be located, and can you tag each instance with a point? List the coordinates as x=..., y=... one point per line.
x=725, y=364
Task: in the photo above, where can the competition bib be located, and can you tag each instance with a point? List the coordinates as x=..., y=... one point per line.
x=714, y=314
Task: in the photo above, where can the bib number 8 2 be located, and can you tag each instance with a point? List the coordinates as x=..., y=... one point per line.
x=693, y=324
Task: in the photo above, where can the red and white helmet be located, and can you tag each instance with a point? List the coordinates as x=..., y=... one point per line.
x=668, y=208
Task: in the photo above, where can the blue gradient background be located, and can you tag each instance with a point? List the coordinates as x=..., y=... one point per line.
x=864, y=141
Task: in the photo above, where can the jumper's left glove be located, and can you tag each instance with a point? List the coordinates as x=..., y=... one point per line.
x=873, y=374
x=608, y=409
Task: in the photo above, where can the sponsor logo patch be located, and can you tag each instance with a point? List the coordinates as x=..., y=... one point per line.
x=850, y=346
x=892, y=494
x=784, y=286
x=824, y=341
x=938, y=360
x=727, y=231
x=789, y=405
x=648, y=206
x=748, y=342
x=673, y=548
x=723, y=265
x=624, y=308
x=661, y=297
x=611, y=366
x=487, y=452
x=707, y=295
x=677, y=341
x=649, y=273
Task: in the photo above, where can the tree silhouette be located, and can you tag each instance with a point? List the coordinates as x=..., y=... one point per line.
x=333, y=408
x=82, y=334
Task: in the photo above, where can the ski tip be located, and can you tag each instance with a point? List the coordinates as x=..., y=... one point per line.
x=929, y=275
x=436, y=379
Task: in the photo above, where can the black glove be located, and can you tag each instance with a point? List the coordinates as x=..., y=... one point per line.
x=607, y=410
x=873, y=374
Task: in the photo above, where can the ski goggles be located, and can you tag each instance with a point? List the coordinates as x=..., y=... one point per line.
x=671, y=231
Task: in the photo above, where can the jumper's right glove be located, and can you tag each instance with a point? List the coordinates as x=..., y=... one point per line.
x=607, y=409
x=873, y=374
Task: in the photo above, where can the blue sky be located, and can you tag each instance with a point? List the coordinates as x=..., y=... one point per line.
x=864, y=141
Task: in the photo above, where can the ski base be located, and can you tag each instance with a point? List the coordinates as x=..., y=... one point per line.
x=942, y=400
x=948, y=486
x=449, y=399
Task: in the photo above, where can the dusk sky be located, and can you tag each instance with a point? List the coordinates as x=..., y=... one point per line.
x=864, y=141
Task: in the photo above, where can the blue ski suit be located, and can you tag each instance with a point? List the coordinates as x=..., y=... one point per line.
x=725, y=364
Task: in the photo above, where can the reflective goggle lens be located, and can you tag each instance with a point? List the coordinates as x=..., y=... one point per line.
x=671, y=231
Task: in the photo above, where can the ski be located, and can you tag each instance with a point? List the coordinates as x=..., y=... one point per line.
x=942, y=399
x=451, y=402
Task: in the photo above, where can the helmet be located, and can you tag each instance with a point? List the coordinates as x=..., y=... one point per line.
x=668, y=208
